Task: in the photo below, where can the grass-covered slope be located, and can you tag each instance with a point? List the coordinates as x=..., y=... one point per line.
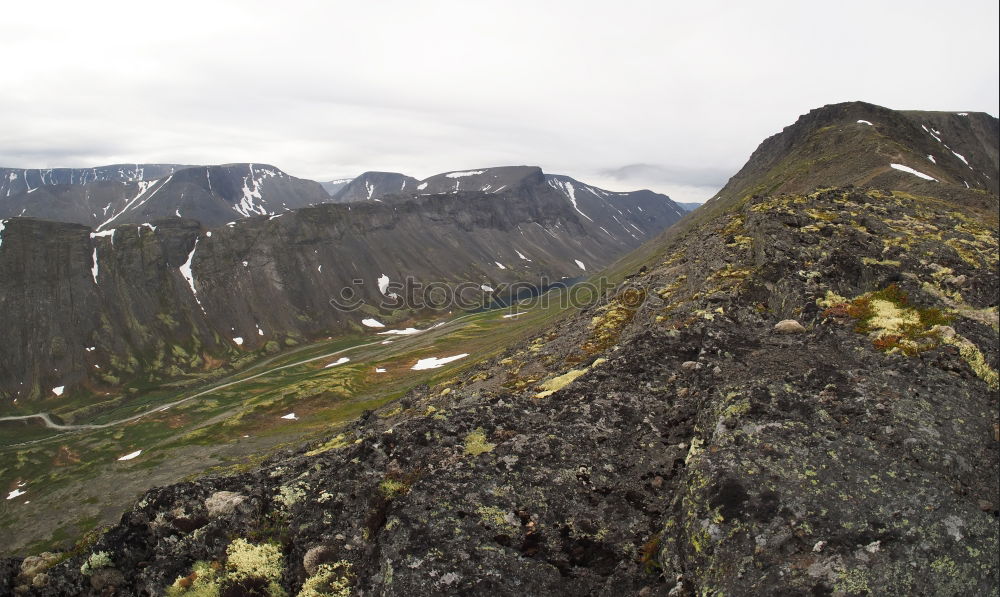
x=182, y=430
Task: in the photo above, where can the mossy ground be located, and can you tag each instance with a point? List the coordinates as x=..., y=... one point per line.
x=235, y=426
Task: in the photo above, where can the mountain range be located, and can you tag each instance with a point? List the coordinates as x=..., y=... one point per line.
x=112, y=195
x=790, y=391
x=89, y=308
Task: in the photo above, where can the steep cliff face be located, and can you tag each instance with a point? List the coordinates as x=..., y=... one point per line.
x=610, y=213
x=212, y=195
x=680, y=437
x=89, y=311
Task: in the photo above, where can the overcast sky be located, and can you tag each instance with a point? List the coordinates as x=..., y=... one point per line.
x=626, y=94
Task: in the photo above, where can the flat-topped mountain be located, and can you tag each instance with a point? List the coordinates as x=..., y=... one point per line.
x=614, y=213
x=487, y=180
x=213, y=195
x=14, y=181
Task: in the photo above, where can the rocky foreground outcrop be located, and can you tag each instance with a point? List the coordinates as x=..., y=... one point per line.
x=667, y=441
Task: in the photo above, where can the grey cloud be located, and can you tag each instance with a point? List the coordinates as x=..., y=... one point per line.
x=642, y=94
x=692, y=176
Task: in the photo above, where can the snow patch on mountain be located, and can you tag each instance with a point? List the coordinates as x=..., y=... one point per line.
x=185, y=270
x=406, y=332
x=435, y=362
x=144, y=186
x=567, y=188
x=903, y=168
x=252, y=182
x=464, y=173
x=961, y=157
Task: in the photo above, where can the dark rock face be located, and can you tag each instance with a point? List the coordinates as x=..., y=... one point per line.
x=89, y=311
x=212, y=195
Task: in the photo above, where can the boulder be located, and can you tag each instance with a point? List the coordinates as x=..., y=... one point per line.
x=222, y=503
x=789, y=326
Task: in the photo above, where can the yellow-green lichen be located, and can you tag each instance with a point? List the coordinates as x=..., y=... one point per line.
x=289, y=496
x=476, y=444
x=244, y=561
x=971, y=354
x=965, y=249
x=612, y=318
x=886, y=262
x=694, y=449
x=889, y=320
x=337, y=442
x=553, y=385
x=393, y=488
x=559, y=382
x=248, y=560
x=101, y=559
x=202, y=582
x=498, y=518
x=854, y=581
x=330, y=580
